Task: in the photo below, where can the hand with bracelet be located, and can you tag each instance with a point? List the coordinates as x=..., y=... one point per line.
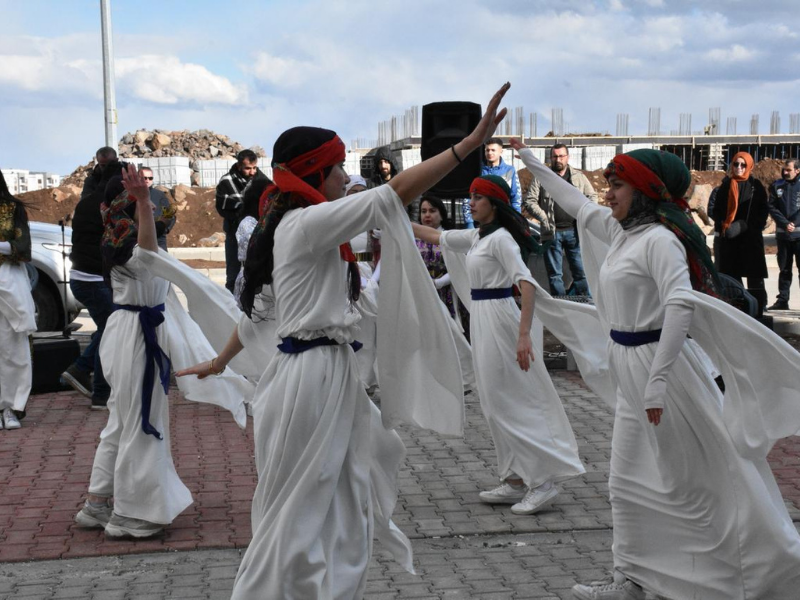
x=218, y=364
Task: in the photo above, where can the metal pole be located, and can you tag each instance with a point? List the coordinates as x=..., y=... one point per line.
x=109, y=98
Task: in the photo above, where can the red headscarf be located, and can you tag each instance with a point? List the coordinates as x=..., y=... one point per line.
x=733, y=191
x=287, y=178
x=485, y=187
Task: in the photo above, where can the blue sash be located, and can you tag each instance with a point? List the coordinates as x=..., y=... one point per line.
x=635, y=338
x=151, y=317
x=491, y=293
x=293, y=345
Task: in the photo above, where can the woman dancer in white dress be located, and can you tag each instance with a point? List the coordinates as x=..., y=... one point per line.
x=535, y=444
x=696, y=510
x=314, y=509
x=133, y=463
x=17, y=320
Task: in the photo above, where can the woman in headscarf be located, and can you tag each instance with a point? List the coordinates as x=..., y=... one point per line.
x=17, y=310
x=696, y=511
x=317, y=503
x=740, y=215
x=432, y=213
x=133, y=462
x=536, y=447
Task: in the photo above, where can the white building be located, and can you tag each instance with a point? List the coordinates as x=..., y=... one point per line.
x=20, y=181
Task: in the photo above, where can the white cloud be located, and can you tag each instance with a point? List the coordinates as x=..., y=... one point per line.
x=734, y=54
x=167, y=80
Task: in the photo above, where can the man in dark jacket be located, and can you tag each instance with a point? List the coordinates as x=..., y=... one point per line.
x=89, y=288
x=161, y=206
x=784, y=208
x=102, y=157
x=230, y=193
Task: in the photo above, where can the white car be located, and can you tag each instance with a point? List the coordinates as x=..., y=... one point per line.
x=50, y=248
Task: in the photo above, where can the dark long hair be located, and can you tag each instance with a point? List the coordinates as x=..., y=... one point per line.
x=439, y=206
x=260, y=261
x=505, y=216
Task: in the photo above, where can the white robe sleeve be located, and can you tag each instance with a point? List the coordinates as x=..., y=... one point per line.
x=418, y=363
x=666, y=259
x=331, y=224
x=507, y=253
x=458, y=240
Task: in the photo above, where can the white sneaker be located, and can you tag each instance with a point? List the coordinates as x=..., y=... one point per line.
x=10, y=419
x=615, y=587
x=94, y=516
x=505, y=493
x=119, y=526
x=534, y=500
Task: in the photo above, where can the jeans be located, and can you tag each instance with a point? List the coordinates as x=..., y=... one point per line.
x=565, y=240
x=232, y=265
x=96, y=296
x=788, y=253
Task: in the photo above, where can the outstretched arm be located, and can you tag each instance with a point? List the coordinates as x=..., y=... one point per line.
x=568, y=197
x=412, y=182
x=217, y=365
x=426, y=234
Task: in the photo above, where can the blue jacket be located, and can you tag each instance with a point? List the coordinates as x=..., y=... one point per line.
x=508, y=173
x=784, y=207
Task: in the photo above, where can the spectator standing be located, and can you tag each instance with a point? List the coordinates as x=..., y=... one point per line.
x=162, y=208
x=89, y=288
x=230, y=194
x=558, y=225
x=740, y=214
x=784, y=207
x=493, y=164
x=102, y=157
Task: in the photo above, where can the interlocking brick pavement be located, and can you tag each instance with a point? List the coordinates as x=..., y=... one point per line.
x=463, y=548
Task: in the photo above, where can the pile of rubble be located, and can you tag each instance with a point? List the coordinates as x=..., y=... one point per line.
x=195, y=145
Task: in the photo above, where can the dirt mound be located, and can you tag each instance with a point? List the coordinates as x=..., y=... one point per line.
x=196, y=218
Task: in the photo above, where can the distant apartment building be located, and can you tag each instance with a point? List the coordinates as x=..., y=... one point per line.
x=20, y=181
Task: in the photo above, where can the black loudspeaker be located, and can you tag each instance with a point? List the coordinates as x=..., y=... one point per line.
x=51, y=357
x=445, y=124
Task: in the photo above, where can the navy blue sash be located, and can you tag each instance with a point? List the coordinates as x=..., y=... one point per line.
x=151, y=317
x=635, y=338
x=491, y=293
x=293, y=345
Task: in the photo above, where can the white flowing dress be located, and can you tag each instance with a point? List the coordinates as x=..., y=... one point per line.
x=696, y=510
x=326, y=468
x=17, y=322
x=530, y=429
x=133, y=467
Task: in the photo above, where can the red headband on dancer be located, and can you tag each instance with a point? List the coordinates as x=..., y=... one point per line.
x=484, y=187
x=287, y=177
x=640, y=177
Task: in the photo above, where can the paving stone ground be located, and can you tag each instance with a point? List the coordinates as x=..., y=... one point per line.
x=463, y=549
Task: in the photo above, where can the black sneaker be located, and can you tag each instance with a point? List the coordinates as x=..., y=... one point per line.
x=80, y=381
x=779, y=305
x=99, y=403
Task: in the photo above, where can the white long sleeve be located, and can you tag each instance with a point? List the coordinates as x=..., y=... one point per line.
x=677, y=319
x=567, y=196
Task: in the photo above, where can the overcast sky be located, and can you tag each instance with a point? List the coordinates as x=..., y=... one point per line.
x=252, y=69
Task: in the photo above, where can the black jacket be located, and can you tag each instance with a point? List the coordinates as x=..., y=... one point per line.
x=87, y=227
x=383, y=153
x=742, y=256
x=784, y=207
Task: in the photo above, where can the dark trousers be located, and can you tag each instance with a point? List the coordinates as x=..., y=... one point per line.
x=788, y=253
x=97, y=298
x=566, y=241
x=755, y=285
x=232, y=265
